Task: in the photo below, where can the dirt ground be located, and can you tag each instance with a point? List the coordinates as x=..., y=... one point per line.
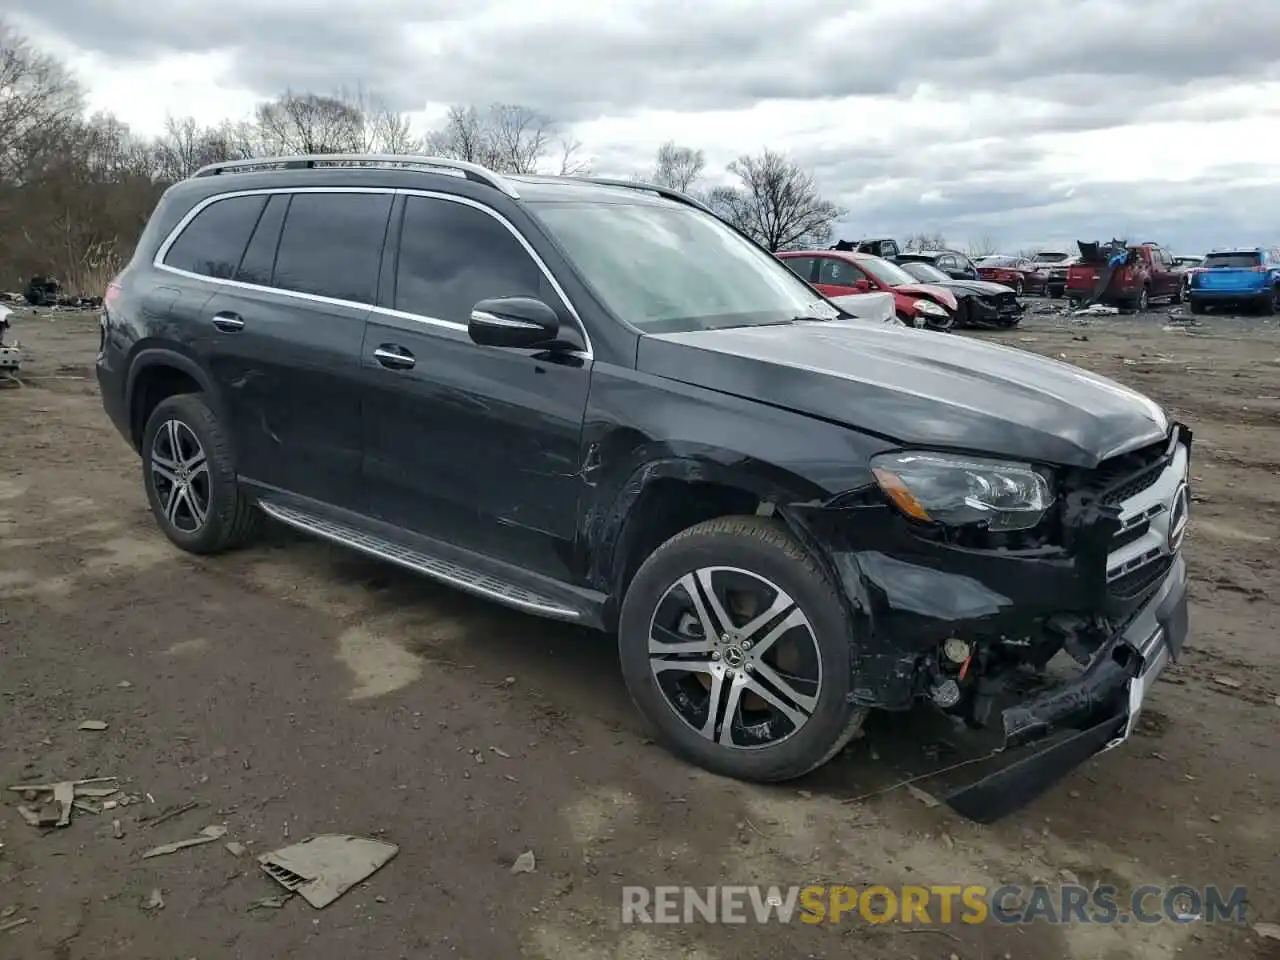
x=293, y=688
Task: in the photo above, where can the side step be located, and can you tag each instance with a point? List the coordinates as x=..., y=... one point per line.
x=446, y=571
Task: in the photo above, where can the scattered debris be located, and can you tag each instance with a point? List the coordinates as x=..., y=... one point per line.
x=927, y=799
x=169, y=813
x=94, y=725
x=1268, y=931
x=1097, y=310
x=117, y=831
x=525, y=863
x=1229, y=682
x=207, y=835
x=14, y=924
x=155, y=901
x=270, y=903
x=236, y=849
x=322, y=868
x=502, y=753
x=124, y=684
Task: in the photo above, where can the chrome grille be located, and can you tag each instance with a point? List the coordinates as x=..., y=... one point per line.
x=1153, y=513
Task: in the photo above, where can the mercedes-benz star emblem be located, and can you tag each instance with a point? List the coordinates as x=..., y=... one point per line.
x=1178, y=516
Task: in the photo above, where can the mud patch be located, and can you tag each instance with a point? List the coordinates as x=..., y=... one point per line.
x=1225, y=531
x=185, y=648
x=593, y=818
x=129, y=553
x=380, y=665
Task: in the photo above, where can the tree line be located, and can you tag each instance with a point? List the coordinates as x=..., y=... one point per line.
x=76, y=189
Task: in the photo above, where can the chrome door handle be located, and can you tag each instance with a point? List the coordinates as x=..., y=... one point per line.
x=228, y=322
x=394, y=358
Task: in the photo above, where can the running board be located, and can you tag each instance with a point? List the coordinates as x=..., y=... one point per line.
x=446, y=571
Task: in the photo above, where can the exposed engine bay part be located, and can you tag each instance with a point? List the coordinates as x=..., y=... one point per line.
x=1112, y=256
x=320, y=869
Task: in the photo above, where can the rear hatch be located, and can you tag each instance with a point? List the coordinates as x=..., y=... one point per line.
x=1234, y=272
x=1095, y=261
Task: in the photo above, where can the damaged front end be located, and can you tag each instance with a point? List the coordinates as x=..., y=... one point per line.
x=10, y=353
x=1042, y=642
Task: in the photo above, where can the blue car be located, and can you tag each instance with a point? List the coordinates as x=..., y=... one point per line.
x=1237, y=277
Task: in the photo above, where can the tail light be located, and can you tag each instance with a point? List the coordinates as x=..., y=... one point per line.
x=110, y=294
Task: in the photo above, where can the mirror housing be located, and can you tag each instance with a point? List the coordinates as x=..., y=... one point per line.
x=518, y=322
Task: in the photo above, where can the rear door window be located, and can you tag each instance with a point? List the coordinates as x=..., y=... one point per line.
x=452, y=256
x=213, y=242
x=331, y=245
x=259, y=258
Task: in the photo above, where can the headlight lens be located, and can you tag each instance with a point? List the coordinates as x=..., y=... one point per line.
x=931, y=308
x=964, y=491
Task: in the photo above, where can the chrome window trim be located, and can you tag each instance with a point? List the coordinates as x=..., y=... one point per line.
x=163, y=251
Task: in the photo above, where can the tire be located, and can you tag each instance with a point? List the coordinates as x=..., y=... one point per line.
x=211, y=514
x=757, y=550
x=1197, y=306
x=1142, y=301
x=1018, y=287
x=1181, y=294
x=1269, y=304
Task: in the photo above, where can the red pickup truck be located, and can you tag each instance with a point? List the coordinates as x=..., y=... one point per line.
x=1123, y=276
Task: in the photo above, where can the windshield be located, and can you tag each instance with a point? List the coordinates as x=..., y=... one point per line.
x=925, y=272
x=1238, y=260
x=669, y=269
x=1050, y=256
x=997, y=262
x=889, y=274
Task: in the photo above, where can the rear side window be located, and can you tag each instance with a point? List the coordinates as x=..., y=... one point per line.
x=452, y=256
x=1238, y=260
x=212, y=243
x=331, y=245
x=260, y=256
x=839, y=273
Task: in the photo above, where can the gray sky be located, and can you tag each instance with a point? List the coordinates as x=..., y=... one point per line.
x=1030, y=123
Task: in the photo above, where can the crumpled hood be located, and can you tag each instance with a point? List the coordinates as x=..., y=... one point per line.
x=916, y=387
x=983, y=288
x=929, y=291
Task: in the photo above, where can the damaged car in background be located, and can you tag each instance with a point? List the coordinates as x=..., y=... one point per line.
x=1018, y=273
x=839, y=273
x=1119, y=274
x=979, y=303
x=653, y=428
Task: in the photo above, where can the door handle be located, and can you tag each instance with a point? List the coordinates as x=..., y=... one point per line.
x=228, y=322
x=394, y=358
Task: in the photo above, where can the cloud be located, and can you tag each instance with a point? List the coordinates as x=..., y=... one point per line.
x=1019, y=120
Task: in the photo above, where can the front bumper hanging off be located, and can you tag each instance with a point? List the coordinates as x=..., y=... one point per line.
x=1095, y=712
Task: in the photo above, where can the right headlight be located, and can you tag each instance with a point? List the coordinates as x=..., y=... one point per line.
x=964, y=491
x=930, y=308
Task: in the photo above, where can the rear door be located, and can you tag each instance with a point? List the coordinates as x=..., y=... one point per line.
x=1164, y=281
x=806, y=268
x=283, y=340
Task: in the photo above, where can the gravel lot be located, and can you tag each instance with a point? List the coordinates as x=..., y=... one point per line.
x=293, y=688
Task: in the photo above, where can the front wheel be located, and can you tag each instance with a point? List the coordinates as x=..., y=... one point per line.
x=1018, y=286
x=1142, y=301
x=736, y=647
x=190, y=478
x=1197, y=306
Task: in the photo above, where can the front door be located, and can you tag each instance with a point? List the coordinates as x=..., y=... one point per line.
x=838, y=277
x=476, y=446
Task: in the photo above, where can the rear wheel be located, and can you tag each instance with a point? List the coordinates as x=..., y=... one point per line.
x=190, y=478
x=1018, y=286
x=1197, y=306
x=1271, y=303
x=1142, y=301
x=736, y=647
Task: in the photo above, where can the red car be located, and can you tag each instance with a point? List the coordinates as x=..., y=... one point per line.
x=1019, y=273
x=838, y=273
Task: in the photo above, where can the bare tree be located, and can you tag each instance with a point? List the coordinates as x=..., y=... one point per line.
x=677, y=167
x=508, y=138
x=983, y=246
x=926, y=241
x=39, y=98
x=306, y=123
x=778, y=203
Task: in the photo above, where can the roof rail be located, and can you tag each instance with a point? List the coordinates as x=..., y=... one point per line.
x=471, y=171
x=666, y=192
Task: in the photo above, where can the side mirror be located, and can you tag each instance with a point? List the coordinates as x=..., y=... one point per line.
x=513, y=322
x=862, y=286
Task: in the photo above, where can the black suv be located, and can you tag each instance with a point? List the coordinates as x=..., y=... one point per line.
x=595, y=401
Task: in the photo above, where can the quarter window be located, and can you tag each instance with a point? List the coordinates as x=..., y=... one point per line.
x=331, y=245
x=452, y=256
x=212, y=243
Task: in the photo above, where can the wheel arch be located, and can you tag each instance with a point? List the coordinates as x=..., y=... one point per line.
x=155, y=374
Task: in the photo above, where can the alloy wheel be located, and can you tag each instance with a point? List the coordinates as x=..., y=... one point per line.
x=735, y=658
x=180, y=475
